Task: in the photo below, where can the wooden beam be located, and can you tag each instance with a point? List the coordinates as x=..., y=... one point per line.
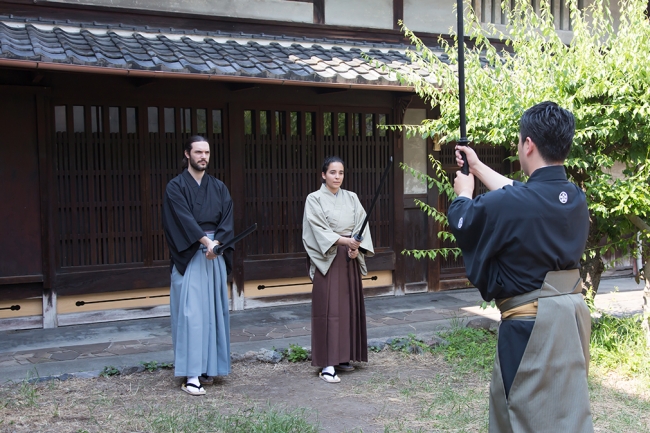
x=37, y=77
x=296, y=267
x=398, y=13
x=113, y=315
x=21, y=291
x=142, y=81
x=111, y=280
x=299, y=298
x=326, y=90
x=238, y=87
x=21, y=279
x=12, y=324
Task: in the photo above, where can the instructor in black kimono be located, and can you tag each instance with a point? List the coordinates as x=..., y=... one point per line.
x=522, y=244
x=197, y=216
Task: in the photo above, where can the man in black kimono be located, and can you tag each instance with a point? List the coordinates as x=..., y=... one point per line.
x=522, y=244
x=197, y=216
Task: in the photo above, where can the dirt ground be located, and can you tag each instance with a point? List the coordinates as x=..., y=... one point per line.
x=394, y=392
x=374, y=397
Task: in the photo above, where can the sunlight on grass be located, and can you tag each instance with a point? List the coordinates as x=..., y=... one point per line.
x=618, y=343
x=469, y=349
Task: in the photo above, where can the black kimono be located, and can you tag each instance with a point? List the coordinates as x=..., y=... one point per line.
x=514, y=241
x=198, y=302
x=190, y=210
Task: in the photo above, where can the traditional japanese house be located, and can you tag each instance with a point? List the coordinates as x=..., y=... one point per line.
x=98, y=96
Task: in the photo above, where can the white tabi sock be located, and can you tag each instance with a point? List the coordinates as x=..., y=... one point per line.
x=329, y=370
x=194, y=380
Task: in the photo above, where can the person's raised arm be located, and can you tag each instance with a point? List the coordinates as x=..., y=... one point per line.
x=490, y=178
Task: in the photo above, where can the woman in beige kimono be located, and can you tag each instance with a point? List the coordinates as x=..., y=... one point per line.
x=338, y=315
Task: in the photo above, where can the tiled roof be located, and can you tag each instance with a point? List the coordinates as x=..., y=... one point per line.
x=194, y=52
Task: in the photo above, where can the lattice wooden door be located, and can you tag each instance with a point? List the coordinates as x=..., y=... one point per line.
x=111, y=167
x=495, y=158
x=284, y=150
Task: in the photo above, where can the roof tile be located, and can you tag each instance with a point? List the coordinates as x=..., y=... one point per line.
x=142, y=47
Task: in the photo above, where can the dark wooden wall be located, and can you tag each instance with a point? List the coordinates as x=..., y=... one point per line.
x=20, y=226
x=109, y=146
x=497, y=159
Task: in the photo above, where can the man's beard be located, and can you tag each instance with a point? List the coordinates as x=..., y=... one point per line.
x=196, y=166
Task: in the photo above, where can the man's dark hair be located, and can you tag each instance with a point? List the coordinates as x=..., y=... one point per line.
x=551, y=128
x=188, y=148
x=329, y=160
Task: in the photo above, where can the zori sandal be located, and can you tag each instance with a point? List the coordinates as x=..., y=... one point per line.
x=344, y=366
x=192, y=389
x=204, y=379
x=329, y=377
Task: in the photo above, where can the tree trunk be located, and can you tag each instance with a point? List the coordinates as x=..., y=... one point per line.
x=590, y=271
x=644, y=227
x=646, y=301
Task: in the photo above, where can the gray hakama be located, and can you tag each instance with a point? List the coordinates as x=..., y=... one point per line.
x=200, y=317
x=549, y=393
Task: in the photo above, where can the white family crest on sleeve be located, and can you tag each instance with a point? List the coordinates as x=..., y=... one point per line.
x=564, y=197
x=460, y=222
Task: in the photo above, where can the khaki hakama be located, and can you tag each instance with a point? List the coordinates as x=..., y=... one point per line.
x=338, y=314
x=549, y=393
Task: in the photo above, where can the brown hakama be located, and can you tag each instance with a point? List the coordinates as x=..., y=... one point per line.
x=338, y=323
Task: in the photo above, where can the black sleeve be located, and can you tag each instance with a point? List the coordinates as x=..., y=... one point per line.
x=480, y=235
x=181, y=229
x=181, y=226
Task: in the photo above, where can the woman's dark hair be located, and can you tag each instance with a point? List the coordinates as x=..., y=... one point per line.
x=188, y=148
x=328, y=161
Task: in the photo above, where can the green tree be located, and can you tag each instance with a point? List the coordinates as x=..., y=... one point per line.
x=602, y=76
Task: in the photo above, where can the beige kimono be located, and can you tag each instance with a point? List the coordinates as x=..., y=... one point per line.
x=328, y=217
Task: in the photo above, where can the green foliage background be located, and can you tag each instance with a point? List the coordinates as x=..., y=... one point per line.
x=602, y=76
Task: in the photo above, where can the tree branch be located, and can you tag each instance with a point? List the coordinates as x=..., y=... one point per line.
x=639, y=223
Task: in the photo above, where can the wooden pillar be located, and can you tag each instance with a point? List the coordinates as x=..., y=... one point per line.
x=235, y=139
x=50, y=318
x=319, y=11
x=44, y=127
x=399, y=107
x=398, y=13
x=237, y=297
x=433, y=196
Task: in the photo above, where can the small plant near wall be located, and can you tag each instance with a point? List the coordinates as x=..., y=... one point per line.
x=109, y=371
x=410, y=344
x=154, y=365
x=296, y=353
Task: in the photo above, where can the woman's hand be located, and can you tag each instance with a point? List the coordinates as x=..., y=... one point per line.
x=353, y=244
x=353, y=253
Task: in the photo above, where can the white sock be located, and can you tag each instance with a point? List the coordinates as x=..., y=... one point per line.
x=329, y=370
x=194, y=380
